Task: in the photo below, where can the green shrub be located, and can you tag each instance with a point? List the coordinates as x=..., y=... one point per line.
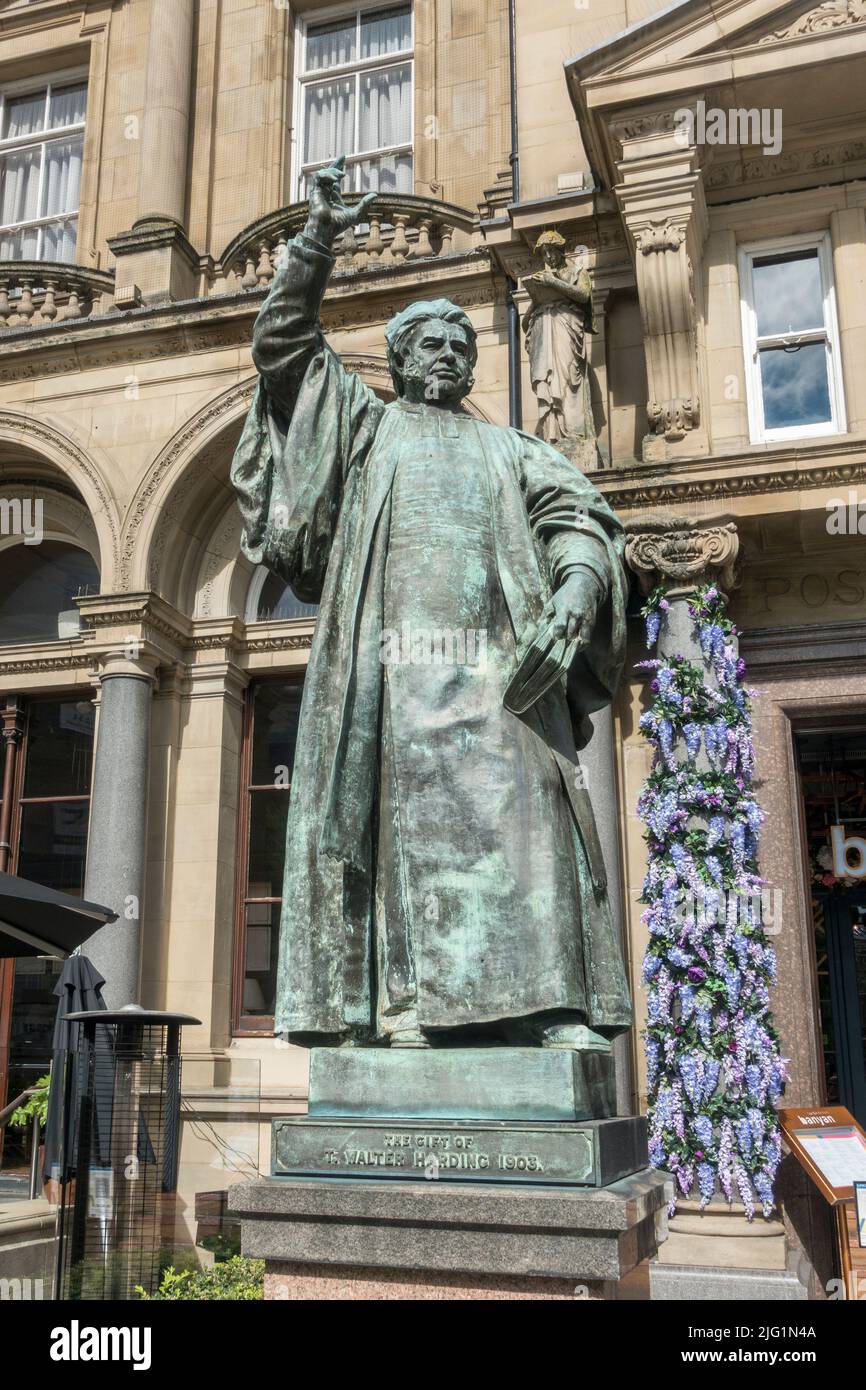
x=37, y=1104
x=234, y=1279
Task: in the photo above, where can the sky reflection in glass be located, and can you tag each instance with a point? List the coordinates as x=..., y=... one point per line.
x=795, y=387
x=788, y=294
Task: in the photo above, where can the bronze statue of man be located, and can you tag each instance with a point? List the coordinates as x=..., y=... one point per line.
x=444, y=882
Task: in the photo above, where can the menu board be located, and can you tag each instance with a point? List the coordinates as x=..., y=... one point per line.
x=860, y=1212
x=831, y=1147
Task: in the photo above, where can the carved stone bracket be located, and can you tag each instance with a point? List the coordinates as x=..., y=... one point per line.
x=681, y=554
x=661, y=199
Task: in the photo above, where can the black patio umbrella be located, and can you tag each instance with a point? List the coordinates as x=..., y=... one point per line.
x=78, y=989
x=37, y=921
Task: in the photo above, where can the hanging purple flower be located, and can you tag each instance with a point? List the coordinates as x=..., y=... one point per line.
x=715, y=831
x=666, y=740
x=733, y=983
x=703, y=1128
x=744, y=1188
x=712, y=1069
x=706, y=1183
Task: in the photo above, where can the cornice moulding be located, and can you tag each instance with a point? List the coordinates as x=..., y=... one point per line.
x=719, y=477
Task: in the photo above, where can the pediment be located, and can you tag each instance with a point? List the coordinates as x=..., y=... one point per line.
x=799, y=22
x=740, y=53
x=683, y=36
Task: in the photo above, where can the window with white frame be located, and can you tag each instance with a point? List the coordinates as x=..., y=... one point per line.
x=791, y=339
x=41, y=149
x=354, y=97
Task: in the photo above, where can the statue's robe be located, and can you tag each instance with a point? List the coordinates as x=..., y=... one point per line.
x=441, y=853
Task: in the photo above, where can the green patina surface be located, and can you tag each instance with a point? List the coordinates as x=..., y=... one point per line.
x=442, y=862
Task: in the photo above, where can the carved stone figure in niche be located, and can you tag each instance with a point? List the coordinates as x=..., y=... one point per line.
x=556, y=324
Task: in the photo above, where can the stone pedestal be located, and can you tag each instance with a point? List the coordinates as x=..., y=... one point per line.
x=462, y=1083
x=363, y=1239
x=722, y=1236
x=593, y=1154
x=719, y=1254
x=154, y=262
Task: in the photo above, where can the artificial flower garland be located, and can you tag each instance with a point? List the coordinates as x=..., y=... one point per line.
x=714, y=1065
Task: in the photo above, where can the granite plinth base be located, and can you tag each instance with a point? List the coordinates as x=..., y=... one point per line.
x=334, y=1283
x=462, y=1083
x=438, y=1231
x=592, y=1154
x=692, y=1284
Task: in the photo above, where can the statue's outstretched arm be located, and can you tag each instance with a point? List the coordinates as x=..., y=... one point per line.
x=288, y=331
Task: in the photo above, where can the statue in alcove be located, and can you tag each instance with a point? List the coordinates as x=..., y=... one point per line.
x=557, y=322
x=444, y=880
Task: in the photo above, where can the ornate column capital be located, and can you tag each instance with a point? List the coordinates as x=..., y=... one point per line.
x=12, y=716
x=682, y=553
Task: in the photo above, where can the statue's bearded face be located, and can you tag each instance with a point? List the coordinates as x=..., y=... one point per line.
x=436, y=360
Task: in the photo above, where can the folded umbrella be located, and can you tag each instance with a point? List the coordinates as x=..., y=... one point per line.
x=79, y=988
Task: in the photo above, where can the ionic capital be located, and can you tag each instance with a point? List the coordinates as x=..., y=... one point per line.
x=682, y=554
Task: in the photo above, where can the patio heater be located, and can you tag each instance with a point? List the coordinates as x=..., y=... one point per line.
x=121, y=1133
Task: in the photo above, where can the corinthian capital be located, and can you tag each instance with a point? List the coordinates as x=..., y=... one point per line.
x=680, y=553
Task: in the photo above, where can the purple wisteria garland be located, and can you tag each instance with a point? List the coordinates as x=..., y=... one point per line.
x=714, y=1066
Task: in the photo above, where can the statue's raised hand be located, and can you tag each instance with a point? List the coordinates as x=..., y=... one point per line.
x=329, y=215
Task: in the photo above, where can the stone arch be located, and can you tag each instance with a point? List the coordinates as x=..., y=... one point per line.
x=34, y=452
x=64, y=516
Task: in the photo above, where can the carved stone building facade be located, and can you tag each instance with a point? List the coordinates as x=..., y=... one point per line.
x=153, y=157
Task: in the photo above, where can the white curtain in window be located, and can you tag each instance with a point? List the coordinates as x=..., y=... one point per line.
x=62, y=181
x=330, y=45
x=390, y=173
x=67, y=106
x=329, y=120
x=386, y=32
x=386, y=108
x=58, y=242
x=19, y=246
x=19, y=185
x=24, y=115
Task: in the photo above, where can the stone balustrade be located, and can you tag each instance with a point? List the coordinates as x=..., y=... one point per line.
x=37, y=293
x=399, y=227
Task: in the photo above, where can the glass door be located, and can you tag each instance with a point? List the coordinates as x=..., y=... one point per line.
x=833, y=786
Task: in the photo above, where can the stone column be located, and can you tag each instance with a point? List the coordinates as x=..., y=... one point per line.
x=848, y=234
x=681, y=554
x=598, y=761
x=707, y=1252
x=155, y=261
x=116, y=840
x=164, y=143
x=597, y=358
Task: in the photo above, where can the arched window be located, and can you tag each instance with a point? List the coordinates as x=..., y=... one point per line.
x=38, y=587
x=271, y=600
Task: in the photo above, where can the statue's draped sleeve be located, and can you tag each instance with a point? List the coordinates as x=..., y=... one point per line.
x=577, y=531
x=310, y=424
